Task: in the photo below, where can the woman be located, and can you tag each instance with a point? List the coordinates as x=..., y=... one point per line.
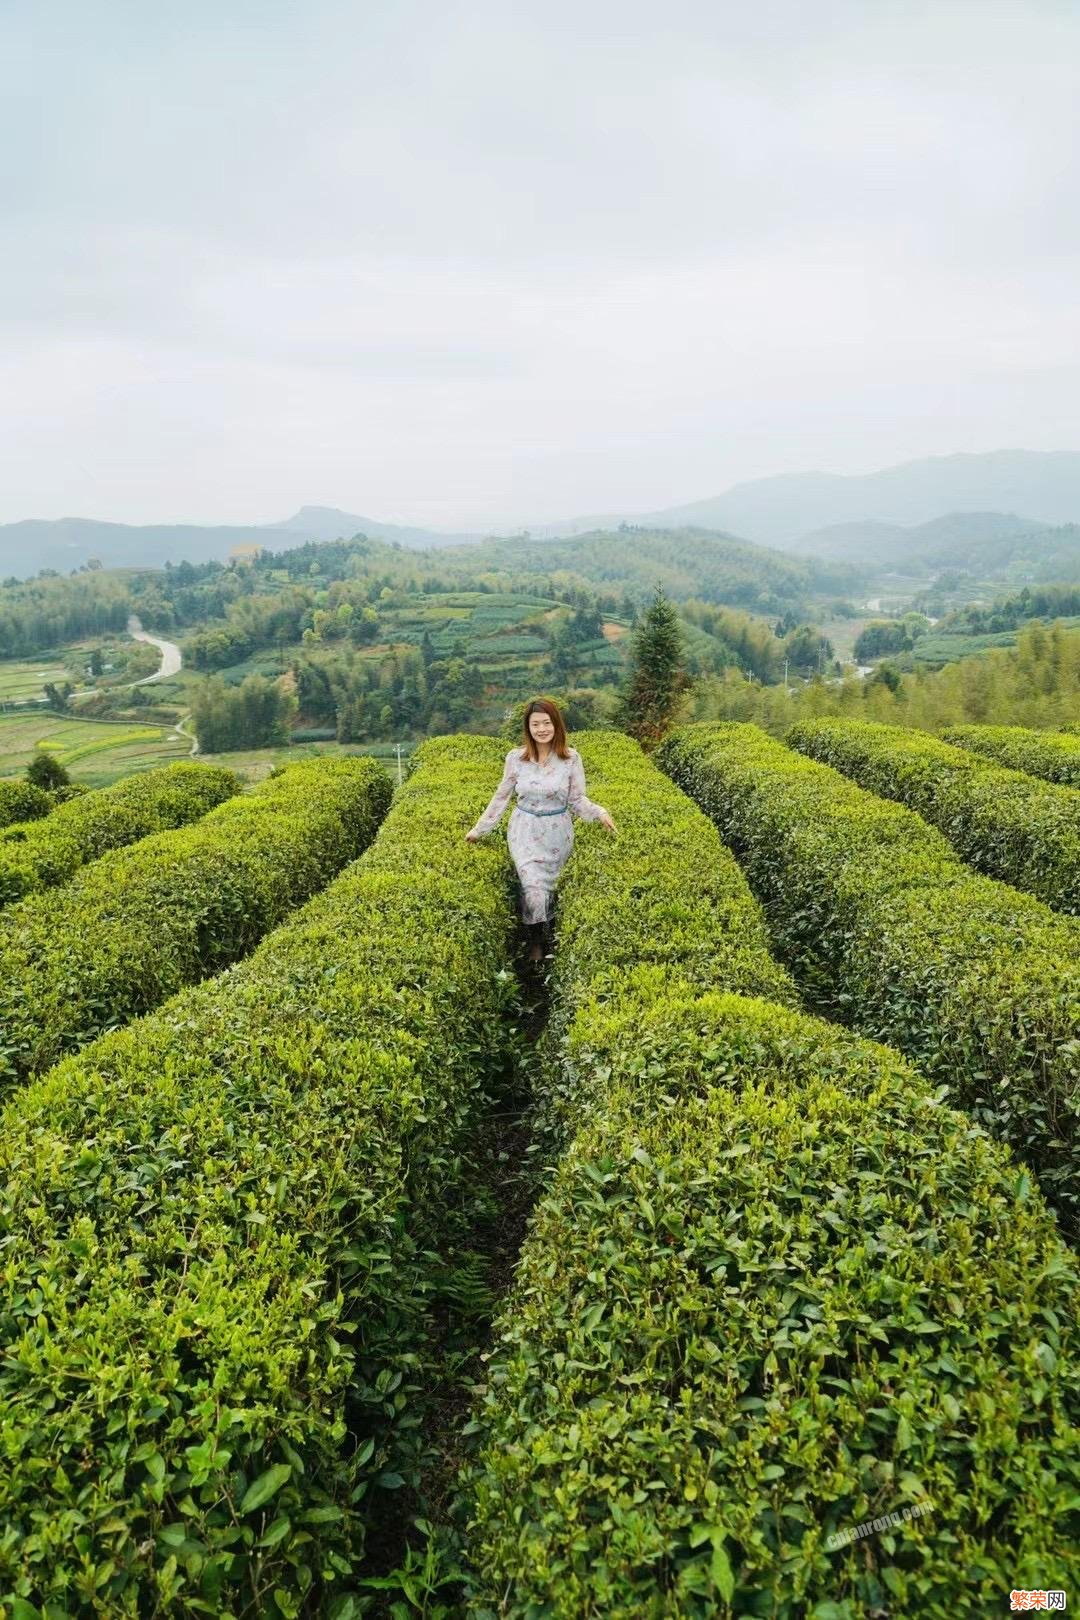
x=550, y=782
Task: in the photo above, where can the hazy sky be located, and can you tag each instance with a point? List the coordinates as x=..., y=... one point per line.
x=476, y=264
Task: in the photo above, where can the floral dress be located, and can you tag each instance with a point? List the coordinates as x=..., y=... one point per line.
x=541, y=831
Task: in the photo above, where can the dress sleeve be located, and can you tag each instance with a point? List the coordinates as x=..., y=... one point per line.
x=501, y=797
x=581, y=806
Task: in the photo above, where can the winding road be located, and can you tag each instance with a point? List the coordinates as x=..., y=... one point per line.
x=180, y=729
x=170, y=653
x=171, y=662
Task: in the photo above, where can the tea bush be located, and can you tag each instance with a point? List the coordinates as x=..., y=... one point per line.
x=220, y=1228
x=22, y=801
x=41, y=854
x=888, y=930
x=65, y=792
x=1006, y=824
x=773, y=1291
x=663, y=894
x=1053, y=755
x=132, y=928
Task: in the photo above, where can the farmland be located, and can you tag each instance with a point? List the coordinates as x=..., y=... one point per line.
x=20, y=681
x=795, y=1261
x=940, y=647
x=95, y=752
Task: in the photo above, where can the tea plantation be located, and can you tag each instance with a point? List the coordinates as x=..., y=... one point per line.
x=791, y=1328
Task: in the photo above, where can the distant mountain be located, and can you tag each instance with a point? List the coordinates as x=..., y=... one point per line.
x=66, y=543
x=327, y=523
x=789, y=511
x=1044, y=485
x=1034, y=558
x=956, y=539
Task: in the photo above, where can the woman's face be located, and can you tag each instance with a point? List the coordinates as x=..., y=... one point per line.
x=541, y=726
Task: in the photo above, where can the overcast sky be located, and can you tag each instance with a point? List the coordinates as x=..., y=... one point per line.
x=473, y=265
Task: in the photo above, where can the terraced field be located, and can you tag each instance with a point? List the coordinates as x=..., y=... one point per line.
x=95, y=752
x=20, y=682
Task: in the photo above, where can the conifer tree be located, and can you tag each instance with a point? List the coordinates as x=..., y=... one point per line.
x=652, y=696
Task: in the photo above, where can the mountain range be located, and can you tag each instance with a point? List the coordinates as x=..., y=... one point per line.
x=921, y=510
x=779, y=511
x=66, y=543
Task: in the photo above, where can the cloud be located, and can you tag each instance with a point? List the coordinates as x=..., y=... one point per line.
x=500, y=262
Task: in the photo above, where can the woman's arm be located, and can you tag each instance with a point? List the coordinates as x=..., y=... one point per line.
x=499, y=799
x=580, y=805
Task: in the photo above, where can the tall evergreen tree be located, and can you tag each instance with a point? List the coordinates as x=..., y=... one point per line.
x=657, y=678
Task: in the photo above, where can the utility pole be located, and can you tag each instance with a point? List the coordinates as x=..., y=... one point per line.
x=785, y=677
x=398, y=748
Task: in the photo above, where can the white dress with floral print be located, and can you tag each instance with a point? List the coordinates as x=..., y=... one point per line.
x=540, y=844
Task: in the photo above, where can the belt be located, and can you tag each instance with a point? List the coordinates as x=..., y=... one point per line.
x=561, y=812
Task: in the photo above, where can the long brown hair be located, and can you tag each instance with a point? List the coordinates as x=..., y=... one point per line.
x=559, y=743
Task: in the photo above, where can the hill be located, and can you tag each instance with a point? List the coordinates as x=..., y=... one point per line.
x=802, y=511
x=328, y=523
x=1043, y=485
x=687, y=562
x=959, y=539
x=67, y=543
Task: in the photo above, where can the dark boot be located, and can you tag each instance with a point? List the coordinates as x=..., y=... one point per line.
x=535, y=934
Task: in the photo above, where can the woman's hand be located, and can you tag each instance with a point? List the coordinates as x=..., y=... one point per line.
x=471, y=837
x=606, y=821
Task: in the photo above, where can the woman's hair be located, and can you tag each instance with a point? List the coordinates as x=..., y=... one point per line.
x=558, y=742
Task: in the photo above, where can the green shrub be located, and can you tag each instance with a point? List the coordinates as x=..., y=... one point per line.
x=774, y=1290
x=220, y=1227
x=65, y=792
x=134, y=927
x=1008, y=825
x=22, y=801
x=1053, y=755
x=886, y=929
x=42, y=854
x=663, y=893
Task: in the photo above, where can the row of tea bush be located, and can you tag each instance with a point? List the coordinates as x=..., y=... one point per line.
x=888, y=930
x=1053, y=755
x=135, y=926
x=221, y=1227
x=43, y=853
x=773, y=1292
x=1002, y=822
